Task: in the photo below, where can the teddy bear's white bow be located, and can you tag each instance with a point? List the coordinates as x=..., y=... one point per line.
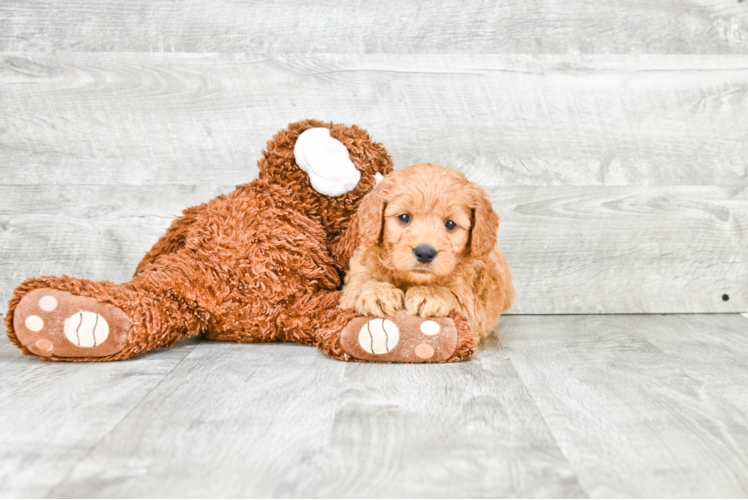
x=326, y=161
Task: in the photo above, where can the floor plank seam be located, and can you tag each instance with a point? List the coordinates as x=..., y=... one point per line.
x=124, y=417
x=548, y=428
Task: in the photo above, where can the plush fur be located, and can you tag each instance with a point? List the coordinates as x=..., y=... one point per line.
x=260, y=264
x=431, y=206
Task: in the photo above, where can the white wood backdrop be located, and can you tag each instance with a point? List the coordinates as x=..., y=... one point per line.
x=384, y=26
x=613, y=137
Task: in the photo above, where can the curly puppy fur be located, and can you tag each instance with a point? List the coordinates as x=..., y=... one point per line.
x=427, y=243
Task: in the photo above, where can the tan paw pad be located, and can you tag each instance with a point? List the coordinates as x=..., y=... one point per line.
x=424, y=351
x=51, y=322
x=44, y=345
x=401, y=338
x=34, y=323
x=48, y=303
x=430, y=327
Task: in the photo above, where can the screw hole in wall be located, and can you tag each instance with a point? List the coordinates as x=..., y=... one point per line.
x=725, y=297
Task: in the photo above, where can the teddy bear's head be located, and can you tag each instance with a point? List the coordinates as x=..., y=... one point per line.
x=329, y=167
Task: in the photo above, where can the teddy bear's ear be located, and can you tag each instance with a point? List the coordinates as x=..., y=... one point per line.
x=327, y=162
x=368, y=219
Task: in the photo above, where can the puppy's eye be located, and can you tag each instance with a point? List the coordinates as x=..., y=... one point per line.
x=404, y=218
x=450, y=225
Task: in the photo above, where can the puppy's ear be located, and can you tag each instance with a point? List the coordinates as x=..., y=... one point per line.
x=485, y=223
x=369, y=217
x=365, y=229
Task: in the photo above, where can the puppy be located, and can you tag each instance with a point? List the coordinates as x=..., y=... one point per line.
x=426, y=242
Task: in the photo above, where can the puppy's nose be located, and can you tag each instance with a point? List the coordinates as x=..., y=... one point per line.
x=424, y=253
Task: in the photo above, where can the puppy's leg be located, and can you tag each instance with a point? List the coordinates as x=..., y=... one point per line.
x=430, y=301
x=373, y=298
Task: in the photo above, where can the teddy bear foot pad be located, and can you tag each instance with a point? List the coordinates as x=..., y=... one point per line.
x=51, y=322
x=401, y=338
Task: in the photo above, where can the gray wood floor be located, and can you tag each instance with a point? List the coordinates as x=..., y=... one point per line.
x=559, y=406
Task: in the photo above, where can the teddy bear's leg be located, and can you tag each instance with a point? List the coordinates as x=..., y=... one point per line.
x=174, y=238
x=317, y=319
x=401, y=338
x=81, y=320
x=54, y=323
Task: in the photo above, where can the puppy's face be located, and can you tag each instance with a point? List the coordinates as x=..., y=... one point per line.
x=426, y=231
x=425, y=219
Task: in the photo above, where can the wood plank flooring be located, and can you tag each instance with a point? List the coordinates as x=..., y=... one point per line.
x=561, y=406
x=630, y=414
x=53, y=415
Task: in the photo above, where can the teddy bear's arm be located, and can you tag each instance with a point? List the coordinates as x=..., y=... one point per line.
x=173, y=239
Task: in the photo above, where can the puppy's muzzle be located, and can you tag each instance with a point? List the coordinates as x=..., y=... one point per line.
x=424, y=253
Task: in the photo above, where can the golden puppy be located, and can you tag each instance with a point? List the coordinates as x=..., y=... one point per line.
x=427, y=243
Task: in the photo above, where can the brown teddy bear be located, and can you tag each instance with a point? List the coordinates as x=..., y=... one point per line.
x=260, y=264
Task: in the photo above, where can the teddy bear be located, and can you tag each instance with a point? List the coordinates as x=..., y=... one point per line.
x=263, y=263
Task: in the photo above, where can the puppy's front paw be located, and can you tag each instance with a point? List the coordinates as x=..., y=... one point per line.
x=379, y=299
x=429, y=301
